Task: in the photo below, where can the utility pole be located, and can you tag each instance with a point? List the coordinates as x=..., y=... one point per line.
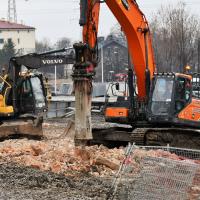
x=102, y=64
x=198, y=69
x=12, y=13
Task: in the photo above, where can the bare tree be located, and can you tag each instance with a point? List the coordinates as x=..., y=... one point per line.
x=117, y=31
x=175, y=34
x=63, y=43
x=42, y=46
x=45, y=45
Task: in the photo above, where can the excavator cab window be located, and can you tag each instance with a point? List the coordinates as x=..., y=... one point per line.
x=196, y=85
x=162, y=94
x=1, y=85
x=163, y=90
x=38, y=92
x=117, y=86
x=31, y=95
x=26, y=97
x=183, y=91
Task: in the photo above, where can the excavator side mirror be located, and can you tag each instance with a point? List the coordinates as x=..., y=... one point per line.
x=117, y=86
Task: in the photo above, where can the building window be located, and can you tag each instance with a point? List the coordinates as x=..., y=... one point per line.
x=9, y=40
x=1, y=41
x=18, y=40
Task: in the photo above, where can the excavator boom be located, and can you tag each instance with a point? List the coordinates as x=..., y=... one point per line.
x=136, y=29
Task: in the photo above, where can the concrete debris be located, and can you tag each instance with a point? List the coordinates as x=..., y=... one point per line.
x=59, y=155
x=114, y=165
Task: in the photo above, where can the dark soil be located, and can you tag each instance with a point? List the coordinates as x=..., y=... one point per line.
x=25, y=183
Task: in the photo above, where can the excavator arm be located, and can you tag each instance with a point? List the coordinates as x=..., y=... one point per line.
x=39, y=60
x=136, y=29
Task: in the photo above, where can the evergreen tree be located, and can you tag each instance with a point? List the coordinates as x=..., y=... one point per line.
x=7, y=52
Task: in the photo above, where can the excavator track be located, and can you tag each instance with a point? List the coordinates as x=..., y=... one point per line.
x=178, y=137
x=175, y=137
x=138, y=136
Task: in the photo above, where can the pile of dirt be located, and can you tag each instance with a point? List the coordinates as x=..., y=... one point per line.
x=55, y=168
x=60, y=156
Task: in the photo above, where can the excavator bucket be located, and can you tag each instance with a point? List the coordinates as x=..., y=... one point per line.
x=28, y=128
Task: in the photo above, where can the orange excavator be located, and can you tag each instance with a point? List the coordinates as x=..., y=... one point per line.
x=162, y=111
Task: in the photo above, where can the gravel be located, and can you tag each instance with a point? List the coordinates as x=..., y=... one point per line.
x=25, y=183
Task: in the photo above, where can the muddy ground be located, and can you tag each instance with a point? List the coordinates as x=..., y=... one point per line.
x=25, y=183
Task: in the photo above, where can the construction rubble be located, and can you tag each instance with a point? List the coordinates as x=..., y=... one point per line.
x=58, y=155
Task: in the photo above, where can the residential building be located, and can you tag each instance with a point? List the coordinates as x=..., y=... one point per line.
x=115, y=58
x=21, y=35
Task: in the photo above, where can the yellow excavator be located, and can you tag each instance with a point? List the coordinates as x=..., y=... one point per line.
x=23, y=101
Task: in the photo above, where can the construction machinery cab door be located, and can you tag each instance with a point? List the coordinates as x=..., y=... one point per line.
x=31, y=95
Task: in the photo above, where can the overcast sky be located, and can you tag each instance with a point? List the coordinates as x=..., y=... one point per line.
x=59, y=18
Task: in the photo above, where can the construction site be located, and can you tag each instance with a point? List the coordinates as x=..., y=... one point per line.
x=115, y=118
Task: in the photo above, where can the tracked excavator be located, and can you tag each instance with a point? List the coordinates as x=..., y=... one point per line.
x=163, y=111
x=23, y=101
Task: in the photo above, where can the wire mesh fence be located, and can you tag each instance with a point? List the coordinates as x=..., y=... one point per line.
x=162, y=178
x=158, y=178
x=187, y=153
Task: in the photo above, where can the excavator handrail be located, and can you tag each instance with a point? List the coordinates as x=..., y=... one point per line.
x=6, y=90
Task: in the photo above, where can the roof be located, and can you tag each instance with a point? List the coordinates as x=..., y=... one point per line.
x=112, y=39
x=10, y=25
x=107, y=43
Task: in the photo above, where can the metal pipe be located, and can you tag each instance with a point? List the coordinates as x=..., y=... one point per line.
x=55, y=51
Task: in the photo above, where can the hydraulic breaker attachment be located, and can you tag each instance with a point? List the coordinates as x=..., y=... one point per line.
x=83, y=72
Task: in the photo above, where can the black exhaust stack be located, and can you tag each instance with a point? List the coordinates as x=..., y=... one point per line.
x=83, y=12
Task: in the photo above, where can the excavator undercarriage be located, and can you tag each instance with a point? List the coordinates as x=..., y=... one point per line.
x=165, y=136
x=19, y=128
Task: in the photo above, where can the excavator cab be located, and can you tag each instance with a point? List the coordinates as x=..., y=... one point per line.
x=29, y=94
x=31, y=97
x=170, y=100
